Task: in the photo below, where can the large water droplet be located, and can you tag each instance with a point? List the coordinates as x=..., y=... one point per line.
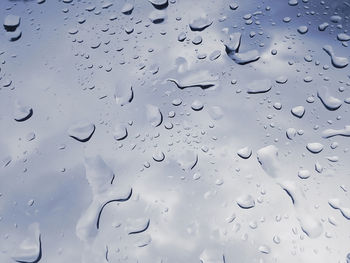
x=11, y=22
x=21, y=112
x=245, y=152
x=200, y=23
x=123, y=95
x=298, y=111
x=136, y=226
x=333, y=132
x=82, y=131
x=330, y=102
x=314, y=147
x=268, y=158
x=259, y=86
x=245, y=201
x=127, y=8
x=101, y=179
x=154, y=115
x=338, y=62
x=30, y=249
x=188, y=160
x=120, y=132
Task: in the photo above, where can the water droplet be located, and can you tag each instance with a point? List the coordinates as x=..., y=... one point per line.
x=304, y=174
x=303, y=29
x=333, y=132
x=212, y=255
x=181, y=37
x=197, y=105
x=259, y=86
x=290, y=133
x=281, y=79
x=330, y=102
x=323, y=26
x=245, y=152
x=120, y=132
x=200, y=79
x=157, y=16
x=343, y=37
x=336, y=204
x=188, y=160
x=201, y=23
x=233, y=6
x=338, y=62
x=215, y=55
x=154, y=115
x=268, y=158
x=265, y=249
x=245, y=201
x=22, y=113
x=197, y=40
x=159, y=4
x=82, y=131
x=123, y=95
x=232, y=50
x=136, y=226
x=314, y=147
x=298, y=111
x=293, y=2
x=100, y=178
x=30, y=249
x=127, y=8
x=11, y=22
x=158, y=156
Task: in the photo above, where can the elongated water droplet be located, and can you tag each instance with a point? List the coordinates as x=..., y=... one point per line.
x=30, y=249
x=259, y=86
x=338, y=62
x=330, y=102
x=154, y=115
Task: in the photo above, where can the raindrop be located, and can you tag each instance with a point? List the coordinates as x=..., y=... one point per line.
x=298, y=111
x=201, y=23
x=330, y=102
x=188, y=160
x=244, y=153
x=30, y=249
x=314, y=147
x=127, y=8
x=338, y=62
x=290, y=133
x=154, y=115
x=159, y=4
x=304, y=174
x=259, y=86
x=343, y=37
x=197, y=105
x=81, y=131
x=245, y=201
x=123, y=95
x=137, y=226
x=328, y=133
x=22, y=113
x=11, y=22
x=120, y=132
x=323, y=26
x=157, y=16
x=158, y=156
x=302, y=29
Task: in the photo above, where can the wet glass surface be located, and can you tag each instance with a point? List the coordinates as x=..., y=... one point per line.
x=174, y=131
